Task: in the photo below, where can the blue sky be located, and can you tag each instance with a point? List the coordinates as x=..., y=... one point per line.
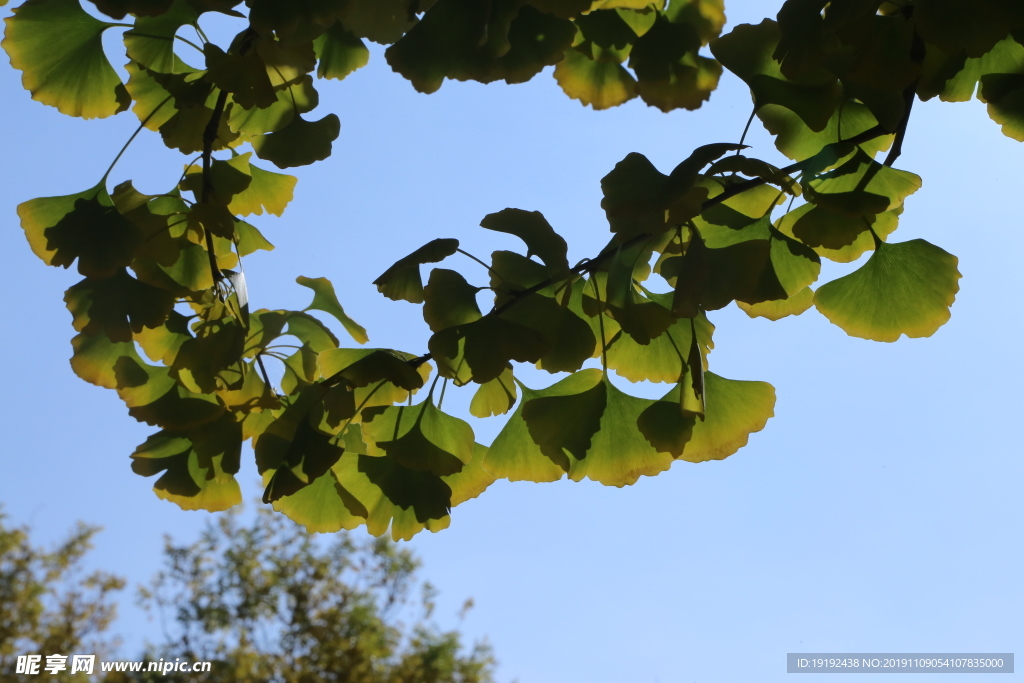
x=879, y=511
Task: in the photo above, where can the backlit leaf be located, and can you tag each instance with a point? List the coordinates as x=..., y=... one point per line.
x=403, y=280
x=198, y=465
x=325, y=299
x=299, y=143
x=59, y=50
x=904, y=288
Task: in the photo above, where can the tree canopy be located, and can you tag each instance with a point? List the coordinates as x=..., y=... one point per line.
x=163, y=318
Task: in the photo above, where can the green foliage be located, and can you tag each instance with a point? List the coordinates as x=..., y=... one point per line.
x=47, y=605
x=266, y=602
x=833, y=82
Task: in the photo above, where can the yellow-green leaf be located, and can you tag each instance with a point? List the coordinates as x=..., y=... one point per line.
x=905, y=288
x=59, y=50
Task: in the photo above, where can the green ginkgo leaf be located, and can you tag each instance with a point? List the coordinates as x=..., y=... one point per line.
x=798, y=141
x=448, y=300
x=294, y=449
x=339, y=53
x=905, y=288
x=495, y=397
x=325, y=299
x=861, y=186
x=1005, y=96
x=84, y=226
x=323, y=507
x=363, y=367
x=59, y=50
x=421, y=437
x=225, y=179
x=299, y=143
x=664, y=359
x=956, y=79
x=382, y=21
x=266, y=191
x=974, y=27
x=198, y=465
x=619, y=454
x=515, y=454
x=734, y=409
x=795, y=304
x=458, y=39
x=841, y=229
x=297, y=98
x=531, y=227
x=150, y=43
x=117, y=306
x=597, y=83
x=153, y=396
x=96, y=359
x=567, y=340
x=747, y=51
x=249, y=239
x=403, y=281
x=481, y=350
x=670, y=73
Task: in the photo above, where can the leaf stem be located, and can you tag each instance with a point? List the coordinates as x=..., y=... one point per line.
x=209, y=138
x=132, y=138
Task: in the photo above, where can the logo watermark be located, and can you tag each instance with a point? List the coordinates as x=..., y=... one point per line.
x=40, y=665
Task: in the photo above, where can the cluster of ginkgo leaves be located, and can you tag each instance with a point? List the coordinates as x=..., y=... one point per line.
x=163, y=318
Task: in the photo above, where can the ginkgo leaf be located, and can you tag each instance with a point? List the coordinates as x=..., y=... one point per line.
x=670, y=74
x=267, y=191
x=325, y=299
x=323, y=507
x=59, y=50
x=597, y=83
x=362, y=367
x=531, y=227
x=734, y=409
x=403, y=281
x=339, y=53
x=150, y=43
x=1005, y=96
x=974, y=28
x=861, y=186
x=904, y=288
x=618, y=454
x=480, y=350
x=780, y=308
x=421, y=437
x=140, y=8
x=249, y=239
x=198, y=465
x=117, y=306
x=841, y=229
x=154, y=397
x=515, y=455
x=747, y=51
x=448, y=300
x=798, y=141
x=162, y=343
x=382, y=21
x=294, y=21
x=956, y=78
x=495, y=397
x=225, y=179
x=84, y=226
x=567, y=340
x=664, y=359
x=505, y=41
x=243, y=75
x=299, y=143
x=296, y=450
x=405, y=500
x=297, y=98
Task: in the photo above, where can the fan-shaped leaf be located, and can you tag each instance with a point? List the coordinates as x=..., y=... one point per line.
x=59, y=50
x=325, y=299
x=904, y=288
x=402, y=280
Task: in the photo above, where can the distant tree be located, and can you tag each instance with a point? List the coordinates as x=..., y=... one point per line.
x=47, y=606
x=269, y=603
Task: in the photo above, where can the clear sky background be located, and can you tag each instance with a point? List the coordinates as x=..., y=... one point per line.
x=879, y=511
